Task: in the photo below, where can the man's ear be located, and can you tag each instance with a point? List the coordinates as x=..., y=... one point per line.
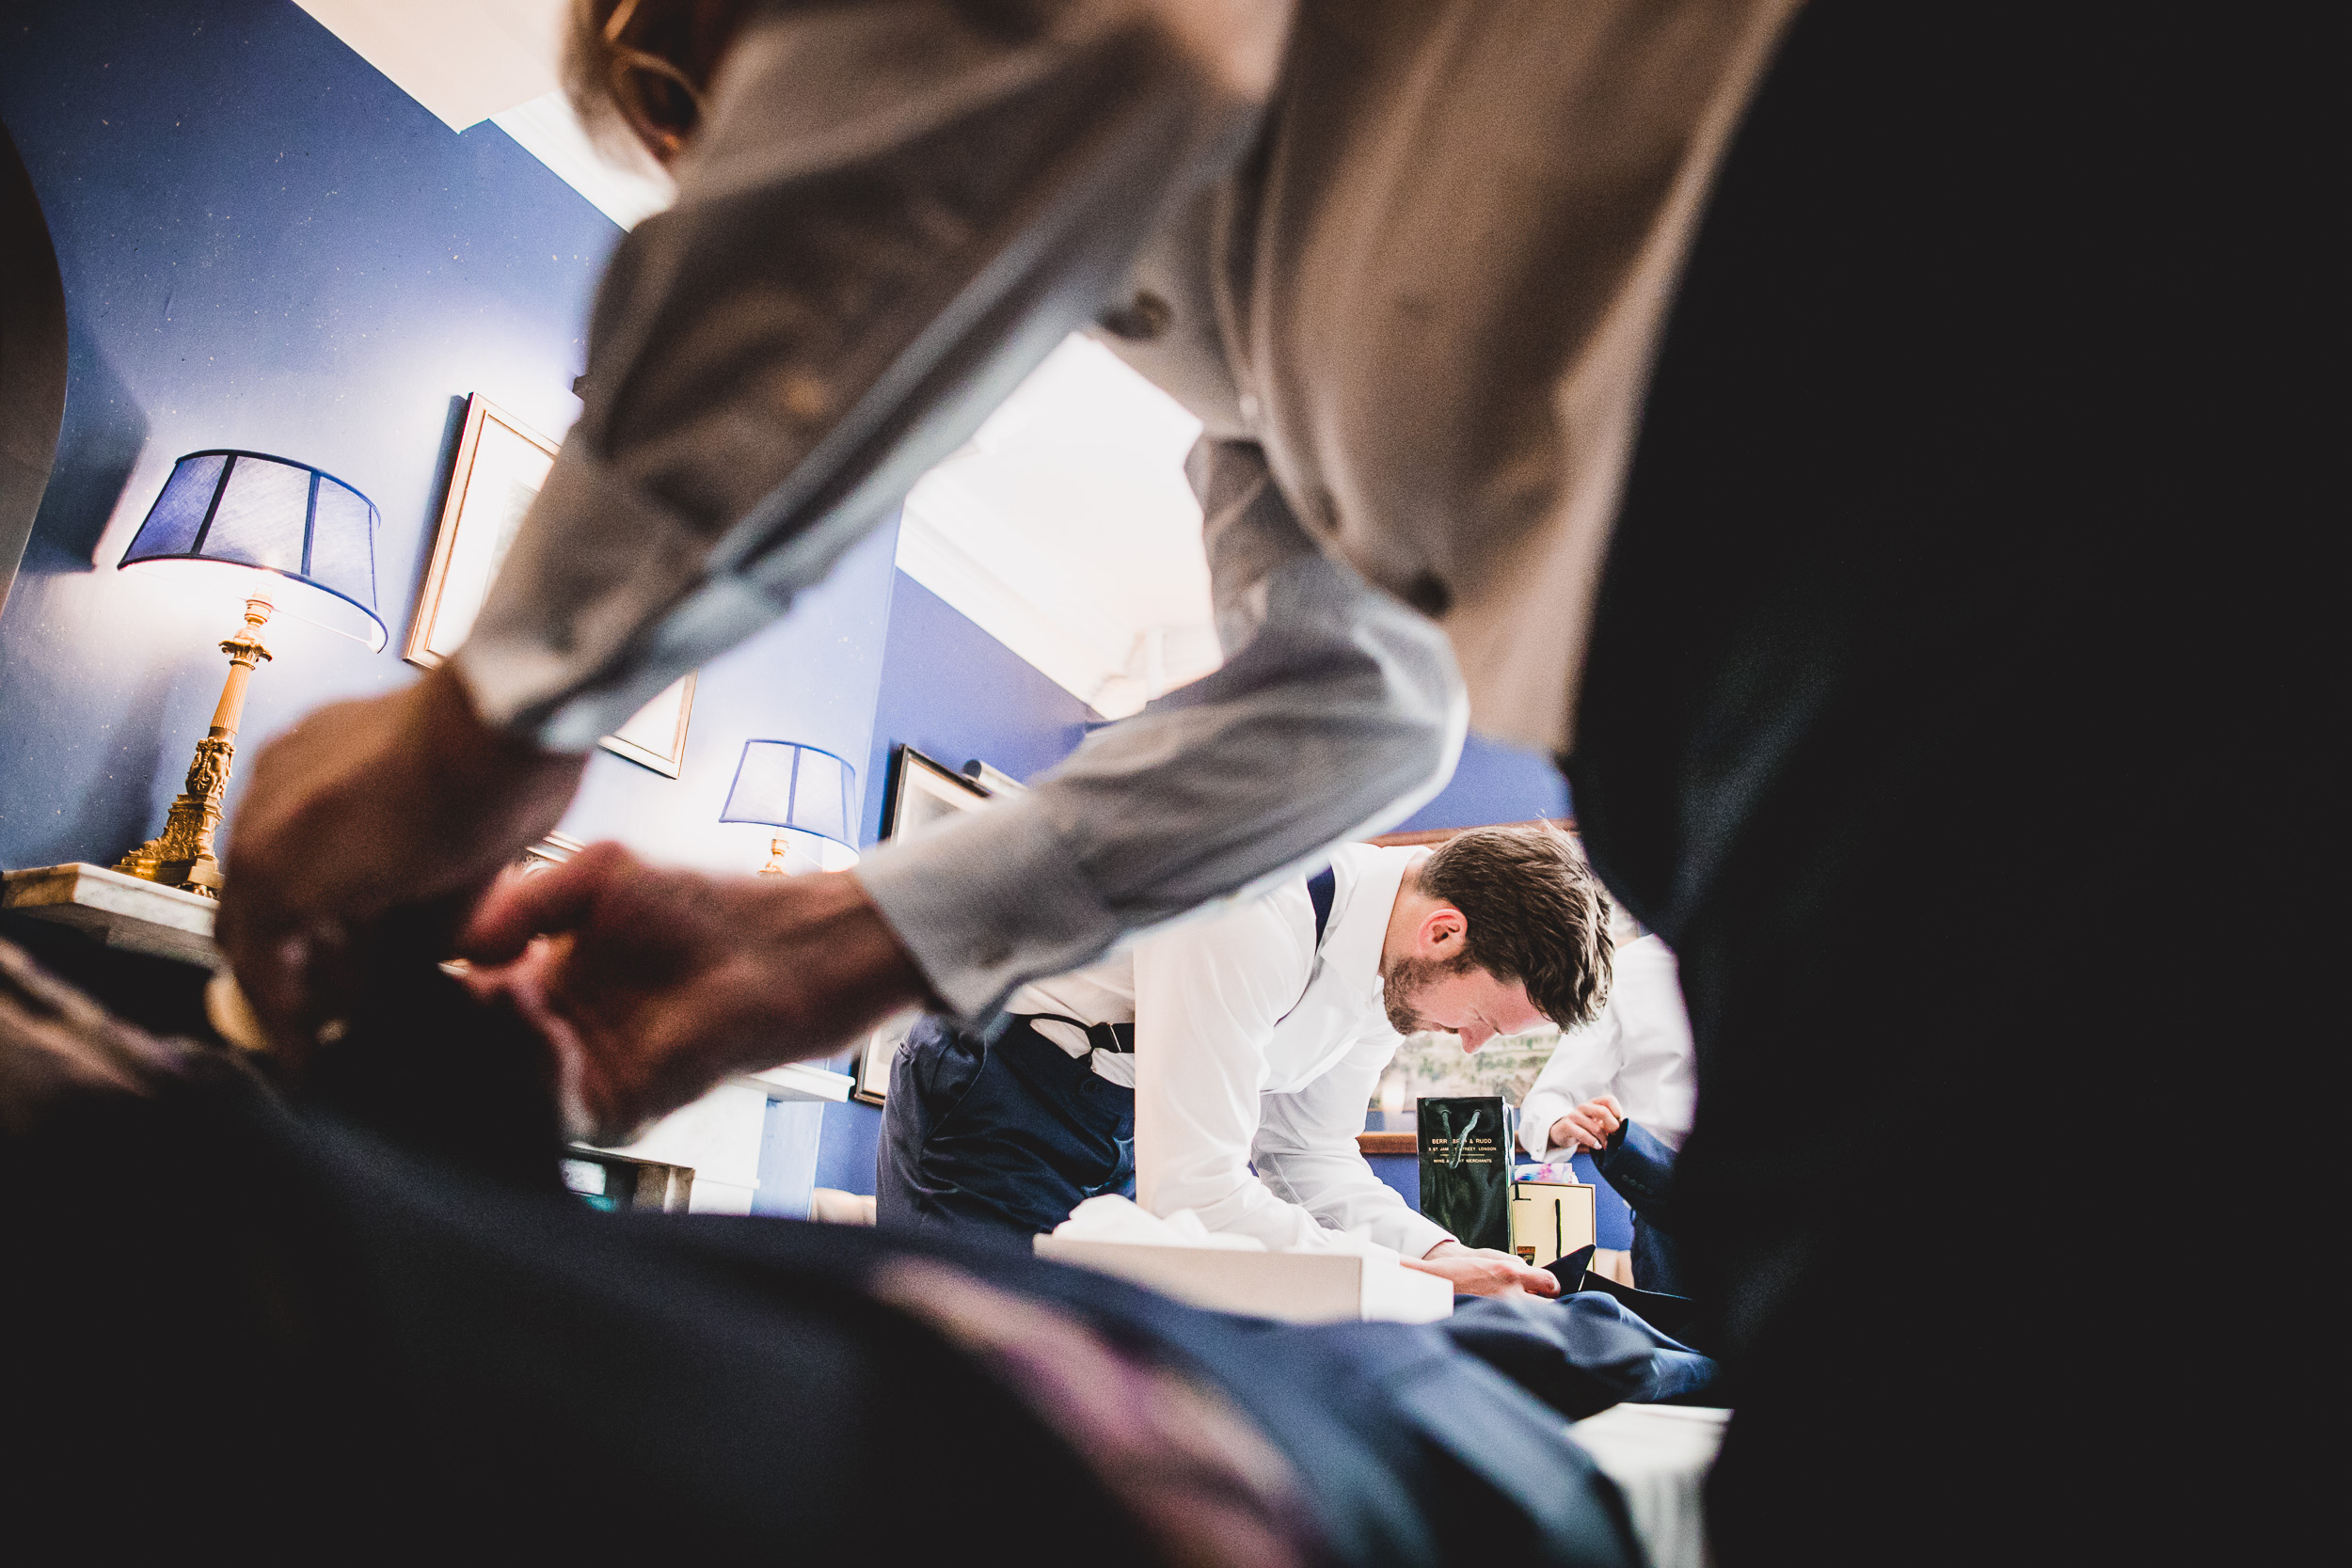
x=1443, y=930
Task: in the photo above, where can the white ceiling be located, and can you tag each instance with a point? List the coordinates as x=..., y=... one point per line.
x=473, y=60
x=1065, y=528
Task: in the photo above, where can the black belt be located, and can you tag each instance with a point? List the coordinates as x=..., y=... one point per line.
x=1118, y=1038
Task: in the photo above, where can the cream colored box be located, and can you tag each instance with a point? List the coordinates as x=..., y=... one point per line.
x=1551, y=1219
x=1292, y=1287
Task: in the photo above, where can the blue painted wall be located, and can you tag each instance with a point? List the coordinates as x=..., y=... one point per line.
x=265, y=245
x=954, y=693
x=1494, y=783
x=788, y=1144
x=813, y=678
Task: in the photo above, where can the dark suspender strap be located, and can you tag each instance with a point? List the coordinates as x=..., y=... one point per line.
x=1321, y=888
x=1114, y=1037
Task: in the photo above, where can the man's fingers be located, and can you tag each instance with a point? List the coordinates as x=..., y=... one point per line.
x=521, y=907
x=273, y=968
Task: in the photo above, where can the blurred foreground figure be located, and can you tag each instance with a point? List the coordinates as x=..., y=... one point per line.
x=373, y=1315
x=1959, y=332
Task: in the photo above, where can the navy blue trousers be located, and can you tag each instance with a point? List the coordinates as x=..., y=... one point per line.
x=998, y=1138
x=1641, y=1167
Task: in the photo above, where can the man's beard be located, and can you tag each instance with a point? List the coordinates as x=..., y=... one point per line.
x=1401, y=985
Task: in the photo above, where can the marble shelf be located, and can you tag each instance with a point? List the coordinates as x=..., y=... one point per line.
x=117, y=908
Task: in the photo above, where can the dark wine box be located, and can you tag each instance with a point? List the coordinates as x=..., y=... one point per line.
x=1466, y=1169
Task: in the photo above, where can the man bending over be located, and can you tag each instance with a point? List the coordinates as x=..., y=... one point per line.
x=1225, y=1064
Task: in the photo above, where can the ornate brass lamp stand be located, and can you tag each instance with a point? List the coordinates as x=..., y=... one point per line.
x=181, y=855
x=282, y=536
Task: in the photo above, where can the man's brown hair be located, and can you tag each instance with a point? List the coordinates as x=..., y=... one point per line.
x=646, y=65
x=1535, y=912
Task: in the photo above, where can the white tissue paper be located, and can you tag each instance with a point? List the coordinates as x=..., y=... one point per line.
x=1112, y=1218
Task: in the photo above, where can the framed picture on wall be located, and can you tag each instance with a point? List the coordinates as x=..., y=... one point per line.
x=875, y=1056
x=501, y=465
x=501, y=462
x=925, y=792
x=654, y=735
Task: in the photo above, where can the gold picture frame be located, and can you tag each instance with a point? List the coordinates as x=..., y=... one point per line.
x=501, y=465
x=654, y=735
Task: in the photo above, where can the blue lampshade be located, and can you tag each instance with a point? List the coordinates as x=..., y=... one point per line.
x=801, y=790
x=225, y=516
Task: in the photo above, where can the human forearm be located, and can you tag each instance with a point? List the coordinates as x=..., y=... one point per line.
x=1307, y=1153
x=1339, y=1190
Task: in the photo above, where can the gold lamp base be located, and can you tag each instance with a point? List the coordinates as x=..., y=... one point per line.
x=181, y=855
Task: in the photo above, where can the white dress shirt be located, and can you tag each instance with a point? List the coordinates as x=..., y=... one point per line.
x=1638, y=1049
x=1253, y=1046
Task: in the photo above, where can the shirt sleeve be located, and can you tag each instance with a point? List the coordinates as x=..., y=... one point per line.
x=894, y=213
x=1337, y=713
x=1657, y=1070
x=1582, y=1066
x=1306, y=1153
x=1207, y=998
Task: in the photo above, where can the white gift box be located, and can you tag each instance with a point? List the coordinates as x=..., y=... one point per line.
x=1231, y=1273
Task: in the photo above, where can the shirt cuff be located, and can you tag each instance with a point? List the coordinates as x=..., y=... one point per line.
x=1535, y=1118
x=986, y=901
x=1412, y=1235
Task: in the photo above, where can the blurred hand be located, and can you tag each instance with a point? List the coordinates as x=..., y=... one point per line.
x=391, y=812
x=1590, y=1125
x=1484, y=1272
x=655, y=985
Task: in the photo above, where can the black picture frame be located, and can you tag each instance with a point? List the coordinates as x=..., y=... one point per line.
x=874, y=1056
x=924, y=791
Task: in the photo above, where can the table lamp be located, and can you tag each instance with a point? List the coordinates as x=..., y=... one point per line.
x=805, y=793
x=279, y=535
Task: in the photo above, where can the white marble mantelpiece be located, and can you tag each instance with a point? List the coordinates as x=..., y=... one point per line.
x=117, y=908
x=718, y=1135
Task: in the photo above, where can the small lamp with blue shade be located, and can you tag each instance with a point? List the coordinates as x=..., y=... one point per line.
x=809, y=796
x=279, y=536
